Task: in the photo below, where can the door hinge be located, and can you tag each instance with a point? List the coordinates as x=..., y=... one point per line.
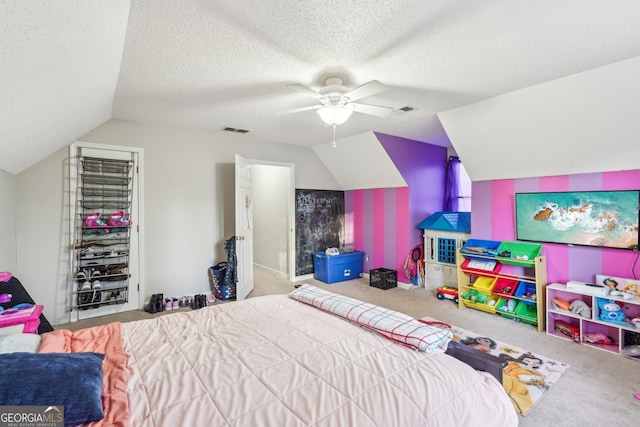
x=138, y=287
x=137, y=170
x=137, y=228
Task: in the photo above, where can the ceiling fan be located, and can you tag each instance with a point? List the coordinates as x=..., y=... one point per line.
x=337, y=103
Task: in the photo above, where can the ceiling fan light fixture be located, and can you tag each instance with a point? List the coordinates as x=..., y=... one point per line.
x=334, y=114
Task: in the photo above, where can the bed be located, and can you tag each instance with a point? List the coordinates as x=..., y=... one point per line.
x=279, y=360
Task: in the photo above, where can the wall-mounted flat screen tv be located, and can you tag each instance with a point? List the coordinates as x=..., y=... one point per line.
x=589, y=218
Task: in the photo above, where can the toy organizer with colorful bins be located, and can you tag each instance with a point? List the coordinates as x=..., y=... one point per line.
x=603, y=315
x=504, y=278
x=102, y=232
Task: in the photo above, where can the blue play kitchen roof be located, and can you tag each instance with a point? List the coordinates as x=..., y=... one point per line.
x=448, y=221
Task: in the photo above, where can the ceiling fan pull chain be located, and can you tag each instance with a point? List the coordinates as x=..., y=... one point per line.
x=334, y=136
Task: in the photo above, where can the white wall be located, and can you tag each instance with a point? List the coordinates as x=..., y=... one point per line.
x=42, y=230
x=359, y=162
x=271, y=208
x=7, y=221
x=188, y=211
x=583, y=123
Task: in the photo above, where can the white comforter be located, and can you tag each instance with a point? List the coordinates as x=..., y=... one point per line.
x=272, y=361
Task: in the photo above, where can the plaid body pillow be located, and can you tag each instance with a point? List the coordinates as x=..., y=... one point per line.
x=394, y=325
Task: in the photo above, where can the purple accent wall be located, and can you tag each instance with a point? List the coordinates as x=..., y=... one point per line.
x=423, y=167
x=563, y=262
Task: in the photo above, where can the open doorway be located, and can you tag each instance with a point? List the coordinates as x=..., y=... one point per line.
x=273, y=216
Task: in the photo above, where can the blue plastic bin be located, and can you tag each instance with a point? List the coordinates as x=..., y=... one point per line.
x=489, y=249
x=337, y=268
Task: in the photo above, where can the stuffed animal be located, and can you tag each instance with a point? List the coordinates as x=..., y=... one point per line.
x=580, y=308
x=610, y=311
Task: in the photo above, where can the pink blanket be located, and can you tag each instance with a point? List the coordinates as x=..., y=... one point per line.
x=106, y=339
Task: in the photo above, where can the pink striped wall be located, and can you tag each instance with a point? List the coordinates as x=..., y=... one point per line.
x=382, y=221
x=380, y=225
x=496, y=221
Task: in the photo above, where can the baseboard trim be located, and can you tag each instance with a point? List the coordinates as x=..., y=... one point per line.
x=279, y=273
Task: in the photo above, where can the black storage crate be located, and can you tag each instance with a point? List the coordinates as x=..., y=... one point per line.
x=383, y=278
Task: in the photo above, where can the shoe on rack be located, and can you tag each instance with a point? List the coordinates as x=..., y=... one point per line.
x=151, y=307
x=95, y=283
x=88, y=253
x=97, y=298
x=83, y=281
x=175, y=304
x=183, y=302
x=93, y=220
x=117, y=220
x=84, y=299
x=168, y=304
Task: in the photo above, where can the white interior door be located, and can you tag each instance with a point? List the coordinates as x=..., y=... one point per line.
x=135, y=247
x=244, y=227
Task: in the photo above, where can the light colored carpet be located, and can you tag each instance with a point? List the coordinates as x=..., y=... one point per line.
x=597, y=390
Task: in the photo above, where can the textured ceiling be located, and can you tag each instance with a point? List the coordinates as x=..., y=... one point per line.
x=59, y=66
x=68, y=66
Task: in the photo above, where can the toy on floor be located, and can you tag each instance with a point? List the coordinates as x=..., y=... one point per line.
x=5, y=298
x=5, y=276
x=447, y=292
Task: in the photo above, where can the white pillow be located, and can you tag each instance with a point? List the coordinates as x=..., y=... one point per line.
x=28, y=343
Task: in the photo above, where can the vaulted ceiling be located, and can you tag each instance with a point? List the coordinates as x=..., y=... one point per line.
x=68, y=66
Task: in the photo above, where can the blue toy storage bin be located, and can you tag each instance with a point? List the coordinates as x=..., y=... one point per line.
x=488, y=247
x=337, y=268
x=525, y=292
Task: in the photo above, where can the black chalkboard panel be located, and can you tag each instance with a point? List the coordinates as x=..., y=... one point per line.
x=319, y=225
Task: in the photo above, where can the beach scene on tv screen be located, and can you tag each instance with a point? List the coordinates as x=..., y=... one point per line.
x=598, y=218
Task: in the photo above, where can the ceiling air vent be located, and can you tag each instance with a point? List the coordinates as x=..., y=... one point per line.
x=406, y=108
x=236, y=130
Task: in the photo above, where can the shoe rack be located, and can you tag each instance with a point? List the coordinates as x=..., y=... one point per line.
x=100, y=260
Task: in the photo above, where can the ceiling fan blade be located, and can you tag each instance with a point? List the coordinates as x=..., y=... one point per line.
x=367, y=89
x=374, y=110
x=297, y=110
x=305, y=89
